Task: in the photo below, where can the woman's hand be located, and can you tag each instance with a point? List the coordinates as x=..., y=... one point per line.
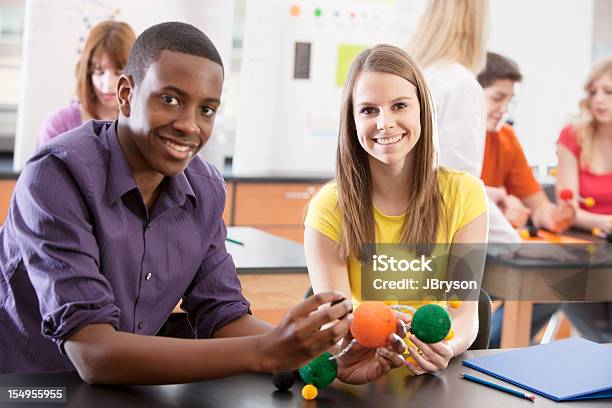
x=604, y=223
x=299, y=337
x=555, y=218
x=361, y=365
x=435, y=356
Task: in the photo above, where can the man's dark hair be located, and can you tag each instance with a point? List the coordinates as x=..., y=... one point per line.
x=499, y=67
x=171, y=36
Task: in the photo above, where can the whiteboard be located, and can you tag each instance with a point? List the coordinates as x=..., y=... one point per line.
x=54, y=33
x=288, y=125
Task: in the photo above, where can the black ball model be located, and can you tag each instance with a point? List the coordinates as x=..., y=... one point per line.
x=283, y=380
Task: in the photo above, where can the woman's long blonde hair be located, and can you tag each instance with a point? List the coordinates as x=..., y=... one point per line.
x=353, y=176
x=585, y=124
x=453, y=31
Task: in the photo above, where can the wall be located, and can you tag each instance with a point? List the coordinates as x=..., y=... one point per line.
x=288, y=125
x=551, y=40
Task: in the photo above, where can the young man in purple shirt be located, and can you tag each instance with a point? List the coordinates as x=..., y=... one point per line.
x=114, y=222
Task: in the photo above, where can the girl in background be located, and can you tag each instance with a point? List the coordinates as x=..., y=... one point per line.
x=449, y=42
x=102, y=61
x=389, y=189
x=584, y=149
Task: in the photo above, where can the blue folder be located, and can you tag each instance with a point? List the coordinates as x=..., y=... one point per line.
x=571, y=369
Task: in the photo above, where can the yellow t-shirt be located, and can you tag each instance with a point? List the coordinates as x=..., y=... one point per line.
x=464, y=200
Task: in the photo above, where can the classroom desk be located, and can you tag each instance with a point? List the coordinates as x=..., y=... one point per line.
x=264, y=253
x=271, y=269
x=523, y=282
x=256, y=390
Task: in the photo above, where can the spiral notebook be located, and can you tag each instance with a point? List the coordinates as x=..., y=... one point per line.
x=571, y=369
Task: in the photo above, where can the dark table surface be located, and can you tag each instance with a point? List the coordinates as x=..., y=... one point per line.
x=596, y=253
x=553, y=272
x=264, y=253
x=256, y=390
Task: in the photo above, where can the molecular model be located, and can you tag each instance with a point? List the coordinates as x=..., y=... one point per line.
x=371, y=327
x=566, y=194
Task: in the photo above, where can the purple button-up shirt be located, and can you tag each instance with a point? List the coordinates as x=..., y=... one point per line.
x=78, y=247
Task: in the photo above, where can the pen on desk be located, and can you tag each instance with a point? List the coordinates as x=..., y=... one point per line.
x=233, y=241
x=469, y=377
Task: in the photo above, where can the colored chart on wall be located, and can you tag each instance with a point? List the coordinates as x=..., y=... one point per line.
x=346, y=54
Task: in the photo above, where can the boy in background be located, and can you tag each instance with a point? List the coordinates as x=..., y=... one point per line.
x=505, y=171
x=508, y=178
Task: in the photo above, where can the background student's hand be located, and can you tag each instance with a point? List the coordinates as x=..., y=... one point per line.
x=299, y=337
x=556, y=218
x=604, y=223
x=435, y=356
x=496, y=194
x=514, y=211
x=361, y=365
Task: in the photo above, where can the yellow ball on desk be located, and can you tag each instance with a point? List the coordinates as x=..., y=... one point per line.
x=455, y=303
x=309, y=392
x=589, y=202
x=524, y=234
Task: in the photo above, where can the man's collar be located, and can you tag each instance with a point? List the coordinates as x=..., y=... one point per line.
x=120, y=179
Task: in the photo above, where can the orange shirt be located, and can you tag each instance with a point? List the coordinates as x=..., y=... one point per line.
x=505, y=164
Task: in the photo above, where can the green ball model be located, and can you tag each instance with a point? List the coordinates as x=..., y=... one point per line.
x=431, y=323
x=320, y=372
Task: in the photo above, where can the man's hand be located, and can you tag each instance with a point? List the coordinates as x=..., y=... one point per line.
x=299, y=337
x=361, y=365
x=496, y=194
x=514, y=211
